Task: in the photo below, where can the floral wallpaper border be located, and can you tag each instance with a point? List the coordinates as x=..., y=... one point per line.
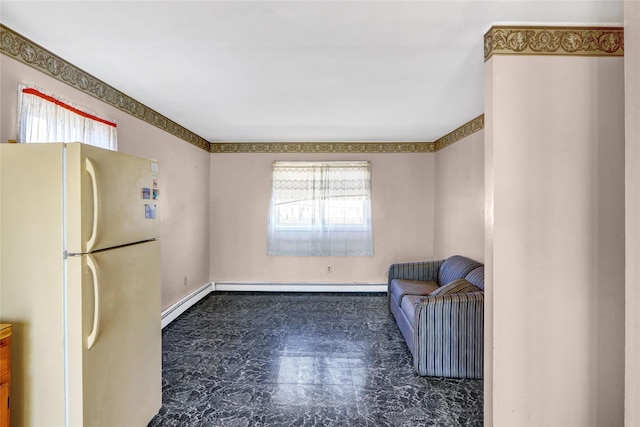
x=541, y=40
x=351, y=147
x=34, y=55
x=322, y=147
x=463, y=131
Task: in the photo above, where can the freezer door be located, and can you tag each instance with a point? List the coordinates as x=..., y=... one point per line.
x=115, y=360
x=112, y=198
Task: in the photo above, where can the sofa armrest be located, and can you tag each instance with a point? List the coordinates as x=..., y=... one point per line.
x=449, y=335
x=426, y=271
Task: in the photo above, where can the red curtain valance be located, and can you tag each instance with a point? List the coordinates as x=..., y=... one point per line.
x=39, y=94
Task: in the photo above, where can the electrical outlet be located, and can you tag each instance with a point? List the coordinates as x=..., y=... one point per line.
x=185, y=282
x=329, y=269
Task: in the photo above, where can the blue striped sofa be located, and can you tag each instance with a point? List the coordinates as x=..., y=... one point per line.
x=439, y=308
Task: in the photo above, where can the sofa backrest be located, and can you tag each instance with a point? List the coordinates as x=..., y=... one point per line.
x=456, y=267
x=476, y=276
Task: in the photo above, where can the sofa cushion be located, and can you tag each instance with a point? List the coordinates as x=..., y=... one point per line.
x=456, y=267
x=408, y=305
x=476, y=276
x=399, y=288
x=460, y=286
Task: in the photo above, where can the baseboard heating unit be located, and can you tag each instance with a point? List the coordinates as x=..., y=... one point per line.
x=300, y=287
x=171, y=313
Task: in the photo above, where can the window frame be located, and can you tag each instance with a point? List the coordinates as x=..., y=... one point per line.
x=317, y=232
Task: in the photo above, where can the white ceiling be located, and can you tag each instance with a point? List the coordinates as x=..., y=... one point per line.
x=293, y=70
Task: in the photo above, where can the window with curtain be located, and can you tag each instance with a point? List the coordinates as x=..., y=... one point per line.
x=320, y=209
x=45, y=118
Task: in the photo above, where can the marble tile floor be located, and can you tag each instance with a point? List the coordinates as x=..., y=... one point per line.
x=239, y=359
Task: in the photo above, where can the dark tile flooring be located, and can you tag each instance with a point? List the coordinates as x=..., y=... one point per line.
x=301, y=359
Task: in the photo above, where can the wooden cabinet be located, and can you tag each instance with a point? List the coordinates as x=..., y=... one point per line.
x=5, y=373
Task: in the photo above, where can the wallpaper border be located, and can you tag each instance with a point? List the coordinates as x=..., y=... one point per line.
x=550, y=40
x=462, y=132
x=24, y=50
x=322, y=147
x=456, y=135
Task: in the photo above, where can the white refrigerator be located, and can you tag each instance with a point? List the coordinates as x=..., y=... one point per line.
x=80, y=283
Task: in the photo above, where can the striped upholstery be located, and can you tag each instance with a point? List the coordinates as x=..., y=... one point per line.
x=443, y=328
x=399, y=288
x=455, y=267
x=409, y=305
x=422, y=271
x=476, y=277
x=404, y=323
x=459, y=286
x=449, y=336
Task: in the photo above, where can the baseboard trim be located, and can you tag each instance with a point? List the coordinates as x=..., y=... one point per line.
x=171, y=313
x=300, y=287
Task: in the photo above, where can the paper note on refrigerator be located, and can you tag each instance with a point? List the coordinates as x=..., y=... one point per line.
x=150, y=211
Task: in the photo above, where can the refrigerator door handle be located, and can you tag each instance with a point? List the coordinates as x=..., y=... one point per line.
x=94, y=185
x=93, y=335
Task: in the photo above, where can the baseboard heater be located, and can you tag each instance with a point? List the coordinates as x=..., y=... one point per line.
x=300, y=287
x=171, y=313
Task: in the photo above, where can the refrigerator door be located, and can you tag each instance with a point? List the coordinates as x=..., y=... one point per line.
x=115, y=336
x=112, y=198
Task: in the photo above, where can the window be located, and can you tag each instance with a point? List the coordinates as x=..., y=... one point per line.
x=44, y=118
x=320, y=209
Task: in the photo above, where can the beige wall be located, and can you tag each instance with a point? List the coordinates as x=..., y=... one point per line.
x=632, y=297
x=556, y=148
x=403, y=217
x=184, y=177
x=459, y=196
x=489, y=186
